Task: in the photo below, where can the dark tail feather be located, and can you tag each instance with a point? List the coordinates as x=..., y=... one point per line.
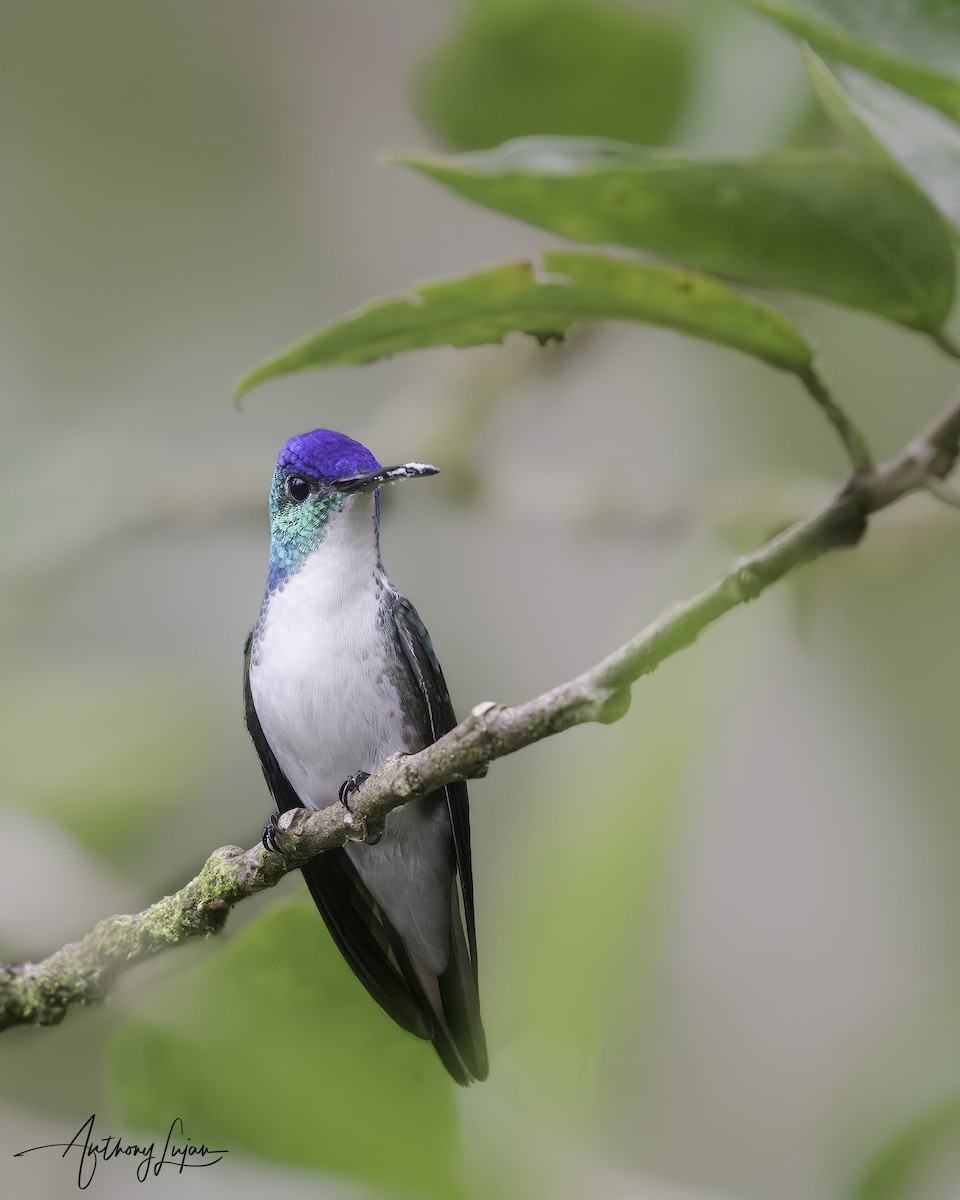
x=461, y=1000
x=357, y=926
x=444, y=1010
x=443, y=1040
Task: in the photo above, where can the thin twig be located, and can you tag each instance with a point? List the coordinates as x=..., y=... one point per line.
x=853, y=440
x=42, y=993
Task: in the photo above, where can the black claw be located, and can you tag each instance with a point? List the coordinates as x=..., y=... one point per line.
x=269, y=836
x=353, y=784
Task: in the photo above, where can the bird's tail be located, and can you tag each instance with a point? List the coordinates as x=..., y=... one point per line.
x=443, y=1009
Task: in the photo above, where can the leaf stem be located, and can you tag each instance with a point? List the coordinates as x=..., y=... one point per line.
x=853, y=440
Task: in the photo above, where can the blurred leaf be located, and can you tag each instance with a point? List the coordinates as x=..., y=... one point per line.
x=63, y=1074
x=272, y=1046
x=585, y=895
x=915, y=46
x=835, y=227
x=910, y=569
x=566, y=67
x=106, y=758
x=483, y=307
x=895, y=1168
x=892, y=127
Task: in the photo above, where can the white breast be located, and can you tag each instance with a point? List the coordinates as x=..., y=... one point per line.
x=329, y=709
x=325, y=703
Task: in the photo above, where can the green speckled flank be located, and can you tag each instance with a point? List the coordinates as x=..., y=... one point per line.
x=296, y=529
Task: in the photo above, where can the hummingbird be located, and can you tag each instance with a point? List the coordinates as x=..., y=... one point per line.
x=339, y=673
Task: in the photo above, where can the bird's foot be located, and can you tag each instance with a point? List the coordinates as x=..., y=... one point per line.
x=269, y=835
x=369, y=832
x=351, y=785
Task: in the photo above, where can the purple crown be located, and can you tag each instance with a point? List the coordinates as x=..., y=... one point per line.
x=325, y=454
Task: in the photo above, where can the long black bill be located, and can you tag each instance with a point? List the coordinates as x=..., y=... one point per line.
x=369, y=481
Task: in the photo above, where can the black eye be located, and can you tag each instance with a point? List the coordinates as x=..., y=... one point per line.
x=298, y=489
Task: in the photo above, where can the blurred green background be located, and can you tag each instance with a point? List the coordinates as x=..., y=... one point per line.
x=743, y=981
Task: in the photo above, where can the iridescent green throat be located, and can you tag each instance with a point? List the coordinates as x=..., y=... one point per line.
x=296, y=529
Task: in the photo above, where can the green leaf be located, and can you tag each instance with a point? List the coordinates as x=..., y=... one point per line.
x=848, y=231
x=485, y=306
x=272, y=1046
x=581, y=915
x=893, y=128
x=113, y=781
x=898, y=1164
x=566, y=67
x=915, y=45
x=624, y=289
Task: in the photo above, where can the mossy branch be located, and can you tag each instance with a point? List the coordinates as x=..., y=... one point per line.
x=42, y=993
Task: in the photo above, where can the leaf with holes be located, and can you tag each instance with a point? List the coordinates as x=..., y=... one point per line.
x=483, y=307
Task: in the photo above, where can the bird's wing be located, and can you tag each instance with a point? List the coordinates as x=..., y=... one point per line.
x=373, y=950
x=280, y=787
x=459, y=1008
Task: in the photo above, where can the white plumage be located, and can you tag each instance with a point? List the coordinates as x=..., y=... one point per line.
x=329, y=709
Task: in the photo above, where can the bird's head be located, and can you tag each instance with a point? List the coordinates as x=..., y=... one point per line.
x=319, y=475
